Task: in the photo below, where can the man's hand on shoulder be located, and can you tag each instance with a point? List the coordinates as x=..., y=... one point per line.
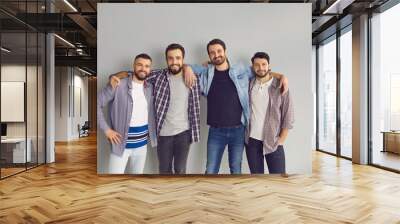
x=115, y=79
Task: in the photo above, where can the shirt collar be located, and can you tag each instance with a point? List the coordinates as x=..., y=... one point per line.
x=130, y=76
x=258, y=82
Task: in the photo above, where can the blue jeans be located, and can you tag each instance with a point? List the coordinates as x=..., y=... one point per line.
x=218, y=138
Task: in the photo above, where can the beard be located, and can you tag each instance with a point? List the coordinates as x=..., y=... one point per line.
x=218, y=60
x=141, y=75
x=262, y=73
x=174, y=70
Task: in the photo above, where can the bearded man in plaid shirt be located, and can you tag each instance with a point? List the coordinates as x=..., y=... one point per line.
x=177, y=109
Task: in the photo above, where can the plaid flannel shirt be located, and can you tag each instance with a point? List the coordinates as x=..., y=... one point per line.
x=161, y=92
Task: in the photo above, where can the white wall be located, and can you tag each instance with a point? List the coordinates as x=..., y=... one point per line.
x=61, y=104
x=80, y=84
x=12, y=73
x=282, y=30
x=33, y=127
x=17, y=73
x=68, y=81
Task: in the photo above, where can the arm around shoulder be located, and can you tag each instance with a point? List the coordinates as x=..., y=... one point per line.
x=287, y=110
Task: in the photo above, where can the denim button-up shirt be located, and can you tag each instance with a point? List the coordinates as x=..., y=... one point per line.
x=239, y=74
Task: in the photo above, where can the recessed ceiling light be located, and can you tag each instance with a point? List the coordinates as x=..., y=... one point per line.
x=64, y=40
x=337, y=7
x=84, y=71
x=70, y=5
x=5, y=50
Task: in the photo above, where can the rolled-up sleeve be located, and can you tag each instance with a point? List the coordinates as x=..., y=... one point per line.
x=287, y=111
x=201, y=73
x=199, y=70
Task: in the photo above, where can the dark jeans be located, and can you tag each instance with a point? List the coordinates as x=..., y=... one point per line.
x=173, y=148
x=218, y=139
x=255, y=158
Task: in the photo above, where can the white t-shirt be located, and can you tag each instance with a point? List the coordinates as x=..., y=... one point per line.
x=139, y=111
x=259, y=106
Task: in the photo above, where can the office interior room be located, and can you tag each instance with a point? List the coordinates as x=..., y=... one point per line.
x=49, y=138
x=25, y=64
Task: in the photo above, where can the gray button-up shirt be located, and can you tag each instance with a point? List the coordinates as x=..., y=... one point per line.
x=120, y=104
x=280, y=115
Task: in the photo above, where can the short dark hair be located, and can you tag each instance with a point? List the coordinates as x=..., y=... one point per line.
x=143, y=55
x=216, y=41
x=174, y=47
x=260, y=55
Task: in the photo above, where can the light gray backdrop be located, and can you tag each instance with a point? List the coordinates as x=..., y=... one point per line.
x=282, y=30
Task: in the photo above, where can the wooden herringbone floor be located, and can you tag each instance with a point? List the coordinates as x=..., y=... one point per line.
x=70, y=191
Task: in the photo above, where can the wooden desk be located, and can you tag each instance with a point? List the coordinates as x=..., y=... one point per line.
x=391, y=141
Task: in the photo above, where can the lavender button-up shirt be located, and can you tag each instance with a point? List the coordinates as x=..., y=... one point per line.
x=120, y=103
